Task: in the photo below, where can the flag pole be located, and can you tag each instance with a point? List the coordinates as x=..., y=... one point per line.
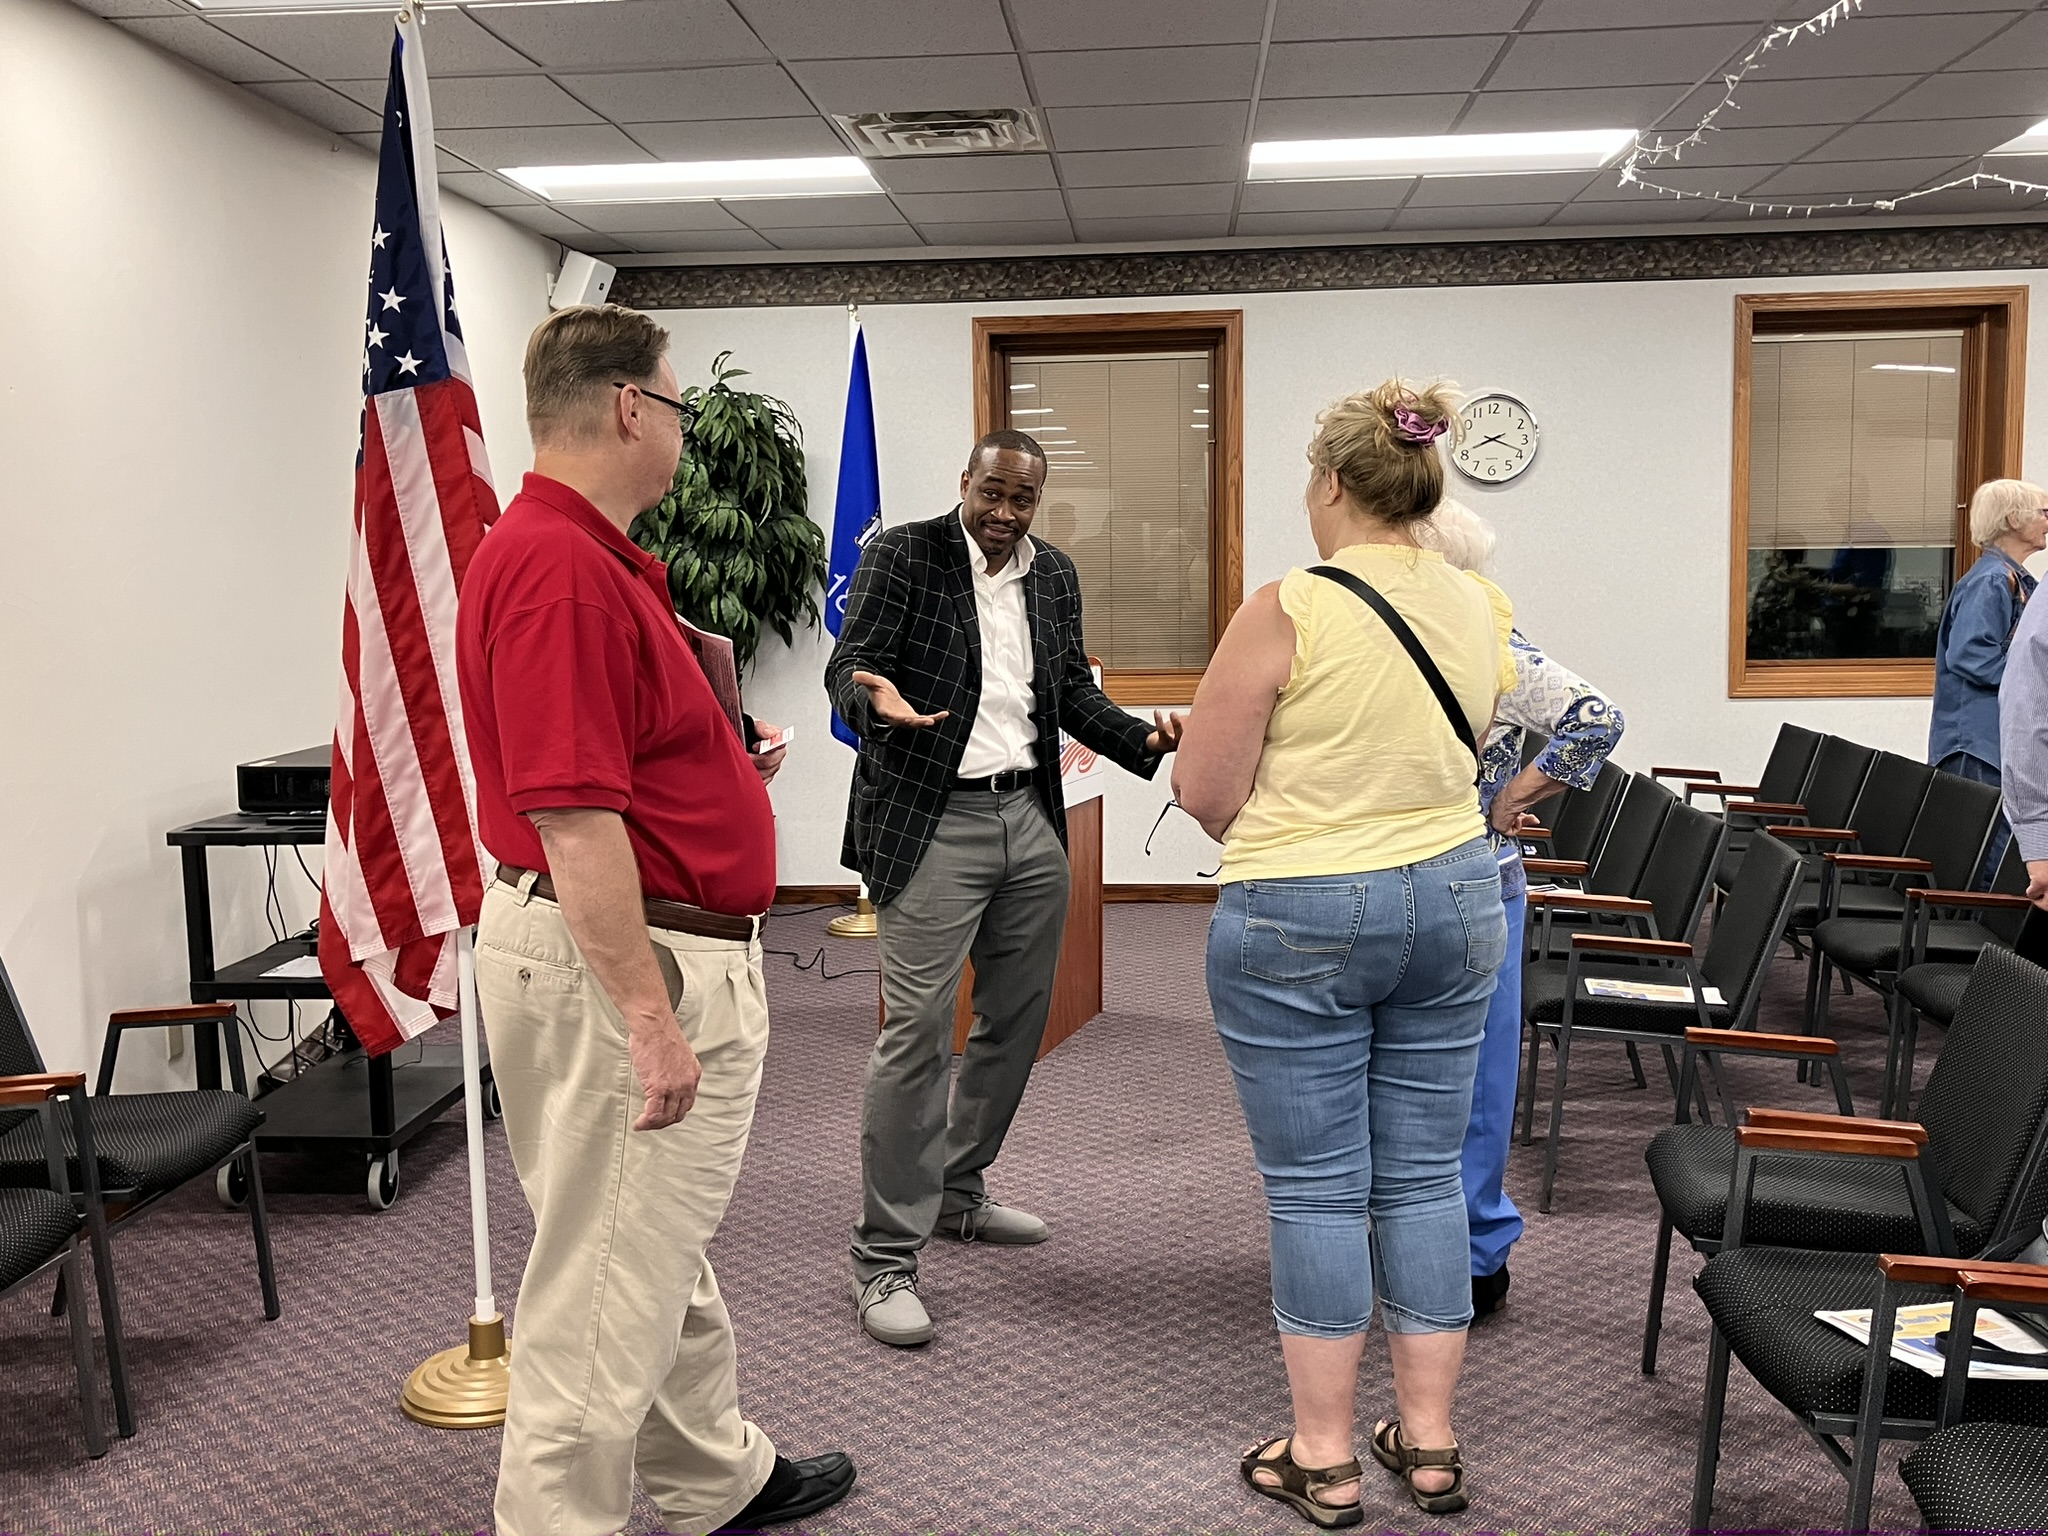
x=465, y=1387
x=860, y=923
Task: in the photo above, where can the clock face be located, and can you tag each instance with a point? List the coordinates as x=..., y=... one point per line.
x=1499, y=441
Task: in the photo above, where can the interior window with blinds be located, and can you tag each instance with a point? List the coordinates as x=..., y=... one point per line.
x=1127, y=492
x=1853, y=491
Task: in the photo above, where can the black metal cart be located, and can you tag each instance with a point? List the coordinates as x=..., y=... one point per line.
x=351, y=1102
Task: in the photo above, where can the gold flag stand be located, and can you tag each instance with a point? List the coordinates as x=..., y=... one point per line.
x=857, y=924
x=464, y=1387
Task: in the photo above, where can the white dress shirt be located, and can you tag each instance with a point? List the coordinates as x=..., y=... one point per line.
x=1003, y=736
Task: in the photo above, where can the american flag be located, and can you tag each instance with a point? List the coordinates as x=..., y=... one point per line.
x=404, y=867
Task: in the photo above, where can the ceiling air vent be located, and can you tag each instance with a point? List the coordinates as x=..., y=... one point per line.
x=904, y=135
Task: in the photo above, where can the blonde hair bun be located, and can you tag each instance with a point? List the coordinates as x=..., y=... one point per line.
x=1381, y=444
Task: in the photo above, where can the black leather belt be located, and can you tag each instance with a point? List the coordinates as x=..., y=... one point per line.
x=671, y=916
x=999, y=783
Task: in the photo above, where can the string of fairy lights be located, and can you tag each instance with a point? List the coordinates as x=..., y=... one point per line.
x=1654, y=150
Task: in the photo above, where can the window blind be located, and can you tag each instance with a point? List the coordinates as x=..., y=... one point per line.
x=1127, y=444
x=1853, y=441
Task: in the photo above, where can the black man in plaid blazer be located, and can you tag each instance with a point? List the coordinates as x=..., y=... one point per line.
x=961, y=866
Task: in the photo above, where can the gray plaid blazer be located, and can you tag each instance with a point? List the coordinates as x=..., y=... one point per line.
x=911, y=618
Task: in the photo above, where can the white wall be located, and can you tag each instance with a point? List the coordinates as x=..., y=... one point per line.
x=184, y=270
x=1614, y=544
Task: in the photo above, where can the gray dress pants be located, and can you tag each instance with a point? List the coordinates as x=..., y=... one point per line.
x=992, y=885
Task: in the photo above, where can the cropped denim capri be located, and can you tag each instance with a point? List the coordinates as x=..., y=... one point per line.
x=1351, y=1009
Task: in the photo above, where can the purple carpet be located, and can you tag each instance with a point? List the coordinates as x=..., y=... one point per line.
x=1104, y=1382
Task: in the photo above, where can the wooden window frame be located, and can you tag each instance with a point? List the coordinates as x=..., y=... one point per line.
x=1000, y=339
x=1994, y=326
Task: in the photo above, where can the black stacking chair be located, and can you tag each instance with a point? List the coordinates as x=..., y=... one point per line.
x=40, y=1228
x=1737, y=959
x=1782, y=781
x=1579, y=818
x=1832, y=787
x=1668, y=898
x=1932, y=989
x=1762, y=1298
x=1624, y=855
x=146, y=1145
x=1980, y=1477
x=1880, y=823
x=1870, y=1205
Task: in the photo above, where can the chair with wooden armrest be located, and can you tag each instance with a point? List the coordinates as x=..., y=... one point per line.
x=40, y=1228
x=1625, y=853
x=1783, y=777
x=1688, y=775
x=1735, y=963
x=1826, y=797
x=1579, y=818
x=1982, y=1171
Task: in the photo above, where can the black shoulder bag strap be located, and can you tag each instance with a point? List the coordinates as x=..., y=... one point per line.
x=1365, y=593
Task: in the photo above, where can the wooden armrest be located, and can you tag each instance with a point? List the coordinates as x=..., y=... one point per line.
x=34, y=1087
x=1588, y=901
x=1685, y=773
x=1769, y=807
x=1814, y=834
x=176, y=1013
x=1699, y=787
x=1807, y=1120
x=1753, y=1040
x=1824, y=1141
x=1878, y=861
x=1615, y=945
x=1992, y=1285
x=1536, y=834
x=1929, y=1269
x=1936, y=897
x=1556, y=866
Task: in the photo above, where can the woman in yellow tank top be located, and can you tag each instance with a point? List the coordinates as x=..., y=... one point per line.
x=1356, y=939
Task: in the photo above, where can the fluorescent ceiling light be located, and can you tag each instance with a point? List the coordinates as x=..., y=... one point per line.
x=324, y=7
x=1450, y=154
x=1201, y=386
x=1032, y=410
x=1910, y=368
x=2033, y=142
x=1023, y=386
x=691, y=181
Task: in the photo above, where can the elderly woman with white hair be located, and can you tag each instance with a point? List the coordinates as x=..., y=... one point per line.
x=1583, y=727
x=2008, y=522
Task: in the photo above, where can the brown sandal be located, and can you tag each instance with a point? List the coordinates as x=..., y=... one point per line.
x=1297, y=1486
x=1402, y=1459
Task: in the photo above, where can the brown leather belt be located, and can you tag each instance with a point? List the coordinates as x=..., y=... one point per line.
x=672, y=916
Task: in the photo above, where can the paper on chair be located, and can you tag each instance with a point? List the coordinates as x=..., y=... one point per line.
x=1647, y=991
x=1913, y=1341
x=299, y=968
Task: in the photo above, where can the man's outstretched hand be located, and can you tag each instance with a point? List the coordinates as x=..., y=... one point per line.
x=1166, y=732
x=889, y=705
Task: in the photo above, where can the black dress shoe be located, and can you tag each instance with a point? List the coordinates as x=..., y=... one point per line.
x=1488, y=1292
x=794, y=1489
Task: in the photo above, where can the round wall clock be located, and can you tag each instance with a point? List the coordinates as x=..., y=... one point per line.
x=1499, y=441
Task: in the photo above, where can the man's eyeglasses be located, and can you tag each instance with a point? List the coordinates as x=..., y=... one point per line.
x=685, y=414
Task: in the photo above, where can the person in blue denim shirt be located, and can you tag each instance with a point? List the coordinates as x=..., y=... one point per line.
x=2009, y=521
x=1584, y=727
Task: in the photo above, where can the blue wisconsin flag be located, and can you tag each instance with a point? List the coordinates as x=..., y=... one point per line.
x=857, y=514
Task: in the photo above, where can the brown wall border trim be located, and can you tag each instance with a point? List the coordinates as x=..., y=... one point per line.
x=1158, y=274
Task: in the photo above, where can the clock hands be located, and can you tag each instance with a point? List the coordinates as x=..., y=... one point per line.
x=1493, y=439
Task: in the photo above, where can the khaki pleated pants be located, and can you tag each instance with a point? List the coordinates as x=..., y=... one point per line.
x=622, y=1352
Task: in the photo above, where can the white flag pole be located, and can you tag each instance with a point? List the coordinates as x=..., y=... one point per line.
x=473, y=1122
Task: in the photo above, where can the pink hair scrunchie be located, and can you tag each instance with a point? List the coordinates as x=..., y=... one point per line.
x=1410, y=427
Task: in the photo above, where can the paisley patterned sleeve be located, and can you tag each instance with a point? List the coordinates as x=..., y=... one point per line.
x=1582, y=723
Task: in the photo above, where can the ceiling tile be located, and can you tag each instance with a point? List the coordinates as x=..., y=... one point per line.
x=320, y=104
x=1613, y=106
x=1147, y=167
x=1321, y=20
x=1906, y=141
x=1662, y=210
x=688, y=95
x=1554, y=14
x=638, y=218
x=199, y=42
x=847, y=237
x=811, y=212
x=629, y=34
x=2024, y=47
x=1050, y=24
x=1978, y=94
x=1469, y=191
x=1876, y=45
x=913, y=85
x=117, y=8
x=760, y=138
x=357, y=45
x=1748, y=146
x=1170, y=125
x=1491, y=216
x=1675, y=56
x=1328, y=222
x=978, y=207
x=656, y=243
x=496, y=148
x=1405, y=65
x=487, y=190
x=547, y=221
x=1782, y=103
x=446, y=161
x=999, y=232
x=1357, y=117
x=872, y=29
x=493, y=101
x=1312, y=196
x=965, y=173
x=1127, y=76
x=1133, y=202
x=1182, y=228
x=1872, y=176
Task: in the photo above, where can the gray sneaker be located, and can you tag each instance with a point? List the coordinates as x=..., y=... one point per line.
x=992, y=1223
x=890, y=1311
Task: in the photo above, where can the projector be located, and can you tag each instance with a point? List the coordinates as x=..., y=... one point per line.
x=292, y=784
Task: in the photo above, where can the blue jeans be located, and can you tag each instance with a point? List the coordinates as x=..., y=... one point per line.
x=1351, y=1009
x=1492, y=1216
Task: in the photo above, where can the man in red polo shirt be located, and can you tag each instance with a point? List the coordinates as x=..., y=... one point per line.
x=619, y=966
